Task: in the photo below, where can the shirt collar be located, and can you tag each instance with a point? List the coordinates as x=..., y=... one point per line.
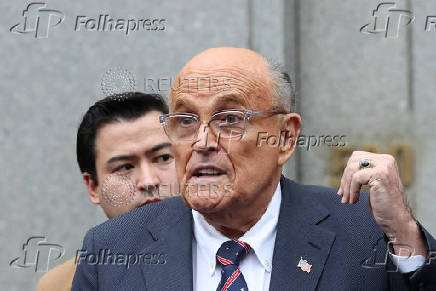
x=261, y=237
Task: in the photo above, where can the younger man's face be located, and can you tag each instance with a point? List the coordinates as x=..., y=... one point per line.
x=134, y=164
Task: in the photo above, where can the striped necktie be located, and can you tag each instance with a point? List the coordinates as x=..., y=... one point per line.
x=228, y=256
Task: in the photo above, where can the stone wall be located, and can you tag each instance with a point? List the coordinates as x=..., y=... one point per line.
x=375, y=91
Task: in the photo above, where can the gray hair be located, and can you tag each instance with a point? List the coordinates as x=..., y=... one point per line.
x=282, y=86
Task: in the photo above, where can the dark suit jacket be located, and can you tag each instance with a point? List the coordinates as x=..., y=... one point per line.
x=344, y=245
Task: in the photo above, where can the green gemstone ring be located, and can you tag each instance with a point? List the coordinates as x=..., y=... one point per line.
x=366, y=163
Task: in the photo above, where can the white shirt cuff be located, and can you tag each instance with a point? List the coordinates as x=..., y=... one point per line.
x=407, y=264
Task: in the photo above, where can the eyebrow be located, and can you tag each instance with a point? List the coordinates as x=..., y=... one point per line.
x=156, y=148
x=119, y=158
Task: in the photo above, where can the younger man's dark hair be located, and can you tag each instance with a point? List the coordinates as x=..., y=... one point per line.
x=119, y=107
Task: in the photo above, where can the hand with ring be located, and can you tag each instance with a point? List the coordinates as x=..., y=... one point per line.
x=387, y=199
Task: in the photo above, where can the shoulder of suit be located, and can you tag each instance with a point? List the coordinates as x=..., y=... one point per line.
x=59, y=278
x=139, y=218
x=328, y=198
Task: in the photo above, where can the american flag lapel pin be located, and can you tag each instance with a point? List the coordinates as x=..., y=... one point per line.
x=304, y=265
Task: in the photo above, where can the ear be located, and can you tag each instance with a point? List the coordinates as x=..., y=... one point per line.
x=92, y=188
x=289, y=132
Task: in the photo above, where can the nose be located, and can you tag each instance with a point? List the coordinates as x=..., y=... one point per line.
x=147, y=179
x=206, y=140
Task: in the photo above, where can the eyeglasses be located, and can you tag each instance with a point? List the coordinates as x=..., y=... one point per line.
x=226, y=124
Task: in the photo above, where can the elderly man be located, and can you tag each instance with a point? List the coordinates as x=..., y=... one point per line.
x=267, y=232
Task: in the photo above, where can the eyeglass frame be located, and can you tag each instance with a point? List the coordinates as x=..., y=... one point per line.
x=246, y=112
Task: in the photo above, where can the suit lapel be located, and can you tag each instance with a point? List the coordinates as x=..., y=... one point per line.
x=299, y=235
x=173, y=238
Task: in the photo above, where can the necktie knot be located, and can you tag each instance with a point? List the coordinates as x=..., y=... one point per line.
x=232, y=252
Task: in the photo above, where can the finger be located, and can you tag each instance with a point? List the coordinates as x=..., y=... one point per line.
x=339, y=191
x=360, y=178
x=352, y=167
x=343, y=187
x=343, y=178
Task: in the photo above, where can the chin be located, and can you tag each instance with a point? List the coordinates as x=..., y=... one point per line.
x=204, y=203
x=201, y=204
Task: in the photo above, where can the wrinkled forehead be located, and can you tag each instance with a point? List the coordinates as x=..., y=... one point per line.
x=249, y=85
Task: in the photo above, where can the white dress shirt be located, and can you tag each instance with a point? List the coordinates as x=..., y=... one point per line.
x=256, y=266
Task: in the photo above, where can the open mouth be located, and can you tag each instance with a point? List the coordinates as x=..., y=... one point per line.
x=208, y=172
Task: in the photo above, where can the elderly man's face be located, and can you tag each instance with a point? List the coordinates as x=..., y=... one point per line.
x=222, y=172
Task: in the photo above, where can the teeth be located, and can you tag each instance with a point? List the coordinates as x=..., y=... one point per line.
x=207, y=172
